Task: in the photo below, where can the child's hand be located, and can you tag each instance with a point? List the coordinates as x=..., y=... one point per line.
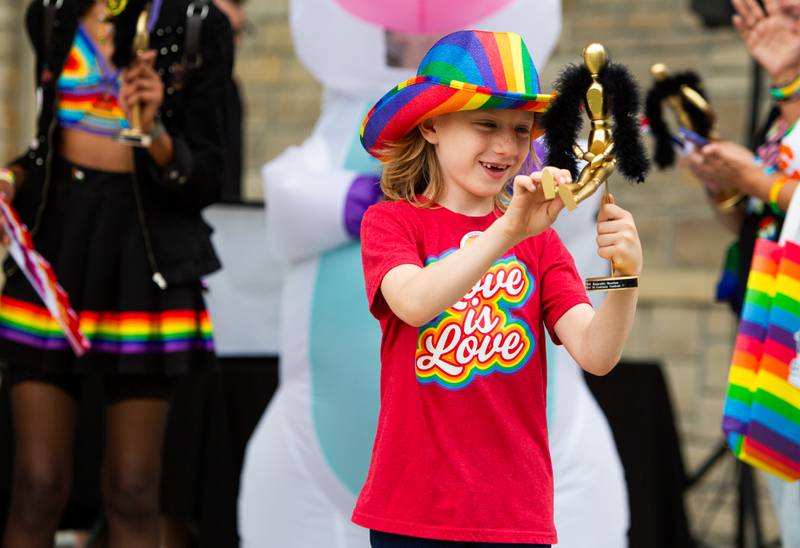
x=529, y=212
x=618, y=239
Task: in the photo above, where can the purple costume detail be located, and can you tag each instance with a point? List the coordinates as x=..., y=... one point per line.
x=541, y=150
x=365, y=190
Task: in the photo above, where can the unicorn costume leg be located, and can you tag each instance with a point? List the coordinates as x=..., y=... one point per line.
x=290, y=497
x=591, y=502
x=310, y=451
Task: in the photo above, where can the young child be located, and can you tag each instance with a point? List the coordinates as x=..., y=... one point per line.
x=463, y=278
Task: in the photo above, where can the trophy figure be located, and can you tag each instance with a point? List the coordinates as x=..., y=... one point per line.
x=696, y=119
x=134, y=135
x=609, y=96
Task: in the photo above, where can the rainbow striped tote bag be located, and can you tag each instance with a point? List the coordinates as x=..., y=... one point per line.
x=761, y=417
x=749, y=346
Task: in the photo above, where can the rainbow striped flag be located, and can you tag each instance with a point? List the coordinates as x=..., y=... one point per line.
x=761, y=417
x=42, y=277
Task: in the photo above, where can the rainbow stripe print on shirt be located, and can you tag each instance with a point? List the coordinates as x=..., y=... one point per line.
x=88, y=89
x=479, y=335
x=111, y=332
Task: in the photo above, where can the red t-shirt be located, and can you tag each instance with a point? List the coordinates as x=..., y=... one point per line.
x=461, y=449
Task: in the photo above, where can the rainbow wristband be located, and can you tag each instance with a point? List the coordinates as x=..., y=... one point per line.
x=774, y=191
x=787, y=92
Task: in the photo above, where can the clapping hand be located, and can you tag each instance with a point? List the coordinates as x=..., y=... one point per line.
x=772, y=36
x=724, y=166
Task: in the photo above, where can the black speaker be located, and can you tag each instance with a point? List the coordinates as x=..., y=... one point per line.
x=714, y=13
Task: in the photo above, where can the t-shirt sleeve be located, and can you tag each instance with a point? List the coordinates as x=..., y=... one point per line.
x=389, y=238
x=561, y=286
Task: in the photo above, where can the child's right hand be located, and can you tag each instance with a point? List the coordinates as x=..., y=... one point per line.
x=618, y=240
x=529, y=212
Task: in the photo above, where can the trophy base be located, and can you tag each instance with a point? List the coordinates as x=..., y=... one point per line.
x=612, y=283
x=133, y=138
x=567, y=196
x=548, y=185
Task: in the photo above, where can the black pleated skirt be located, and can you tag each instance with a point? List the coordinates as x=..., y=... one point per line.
x=92, y=235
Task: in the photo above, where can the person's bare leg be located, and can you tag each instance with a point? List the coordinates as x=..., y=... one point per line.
x=132, y=470
x=44, y=426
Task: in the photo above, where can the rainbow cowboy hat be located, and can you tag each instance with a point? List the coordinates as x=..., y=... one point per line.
x=465, y=70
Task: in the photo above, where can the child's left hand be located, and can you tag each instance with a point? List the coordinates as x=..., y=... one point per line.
x=618, y=239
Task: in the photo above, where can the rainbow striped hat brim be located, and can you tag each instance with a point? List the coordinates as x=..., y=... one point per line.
x=465, y=70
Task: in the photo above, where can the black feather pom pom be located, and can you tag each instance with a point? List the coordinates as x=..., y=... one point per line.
x=631, y=158
x=664, y=152
x=563, y=120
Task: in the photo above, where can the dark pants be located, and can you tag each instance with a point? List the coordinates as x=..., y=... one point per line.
x=378, y=539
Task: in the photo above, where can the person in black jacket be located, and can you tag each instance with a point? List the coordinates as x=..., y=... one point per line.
x=234, y=113
x=122, y=228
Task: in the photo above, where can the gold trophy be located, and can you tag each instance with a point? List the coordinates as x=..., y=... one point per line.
x=599, y=156
x=610, y=98
x=134, y=135
x=685, y=94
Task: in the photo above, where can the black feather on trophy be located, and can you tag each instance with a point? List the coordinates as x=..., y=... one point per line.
x=683, y=93
x=609, y=95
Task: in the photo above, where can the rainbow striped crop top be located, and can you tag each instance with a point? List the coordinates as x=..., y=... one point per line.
x=88, y=90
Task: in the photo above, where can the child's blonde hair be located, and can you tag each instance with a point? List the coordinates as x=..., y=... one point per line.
x=411, y=168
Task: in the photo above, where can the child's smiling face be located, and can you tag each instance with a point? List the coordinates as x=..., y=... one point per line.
x=479, y=151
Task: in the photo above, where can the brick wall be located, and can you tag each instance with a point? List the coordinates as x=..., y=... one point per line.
x=16, y=80
x=281, y=97
x=17, y=96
